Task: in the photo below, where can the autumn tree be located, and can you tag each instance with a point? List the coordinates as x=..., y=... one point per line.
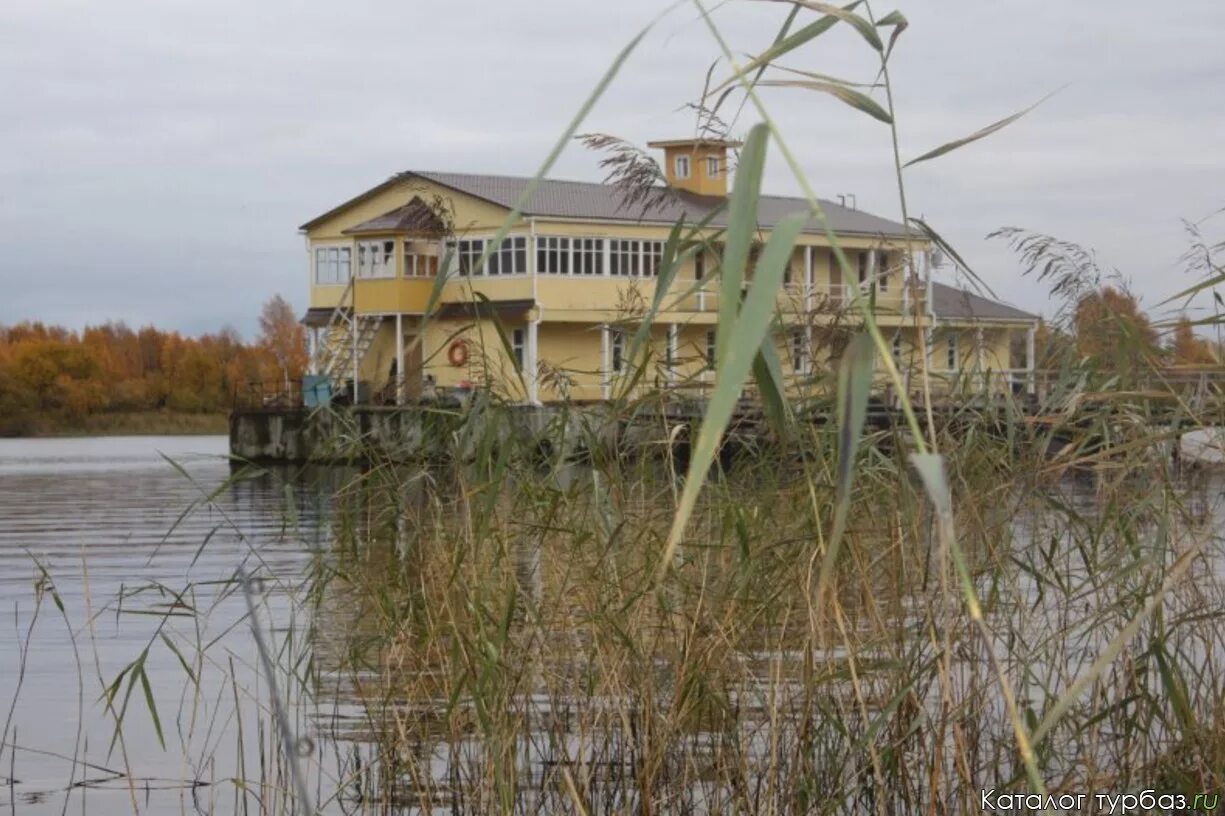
x=283, y=339
x=52, y=378
x=1187, y=349
x=1113, y=331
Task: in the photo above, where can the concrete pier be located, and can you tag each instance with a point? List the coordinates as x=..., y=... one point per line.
x=423, y=432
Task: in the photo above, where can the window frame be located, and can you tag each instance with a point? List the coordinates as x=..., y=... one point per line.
x=616, y=351
x=587, y=257
x=412, y=267
x=561, y=250
x=713, y=169
x=952, y=353
x=344, y=251
x=385, y=267
x=799, y=351
x=680, y=166
x=513, y=251
x=518, y=345
x=711, y=348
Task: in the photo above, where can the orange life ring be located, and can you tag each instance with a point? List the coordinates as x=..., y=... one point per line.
x=457, y=353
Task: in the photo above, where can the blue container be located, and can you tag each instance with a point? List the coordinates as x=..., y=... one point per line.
x=316, y=390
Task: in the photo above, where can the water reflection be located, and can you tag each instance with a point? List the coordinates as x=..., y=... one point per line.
x=407, y=639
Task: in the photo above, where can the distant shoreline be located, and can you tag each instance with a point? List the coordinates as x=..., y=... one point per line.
x=134, y=423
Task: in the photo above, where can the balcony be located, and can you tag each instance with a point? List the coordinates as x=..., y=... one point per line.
x=390, y=295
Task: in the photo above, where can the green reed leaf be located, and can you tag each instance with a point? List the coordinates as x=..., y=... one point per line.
x=898, y=22
x=854, y=387
x=787, y=45
x=771, y=385
x=744, y=340
x=865, y=29
x=742, y=225
x=948, y=147
x=850, y=96
x=152, y=706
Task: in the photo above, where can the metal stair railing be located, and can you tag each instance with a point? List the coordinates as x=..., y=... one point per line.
x=347, y=338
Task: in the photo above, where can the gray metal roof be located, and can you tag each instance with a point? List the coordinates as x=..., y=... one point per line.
x=584, y=199
x=414, y=217
x=951, y=303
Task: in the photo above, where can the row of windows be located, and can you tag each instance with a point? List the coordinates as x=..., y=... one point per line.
x=569, y=256
x=375, y=259
x=510, y=258
x=555, y=255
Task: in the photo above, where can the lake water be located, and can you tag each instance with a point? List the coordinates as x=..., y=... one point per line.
x=144, y=537
x=120, y=531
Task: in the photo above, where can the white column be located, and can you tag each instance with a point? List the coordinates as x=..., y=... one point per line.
x=604, y=362
x=672, y=350
x=1030, y=359
x=533, y=334
x=808, y=279
x=353, y=333
x=906, y=274
x=400, y=378
x=873, y=260
x=930, y=299
x=979, y=363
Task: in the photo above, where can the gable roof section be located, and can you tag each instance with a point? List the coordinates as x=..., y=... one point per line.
x=603, y=202
x=951, y=303
x=414, y=217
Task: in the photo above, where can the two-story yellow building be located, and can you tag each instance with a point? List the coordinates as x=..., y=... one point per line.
x=401, y=304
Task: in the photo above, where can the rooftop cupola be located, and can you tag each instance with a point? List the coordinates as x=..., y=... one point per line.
x=696, y=165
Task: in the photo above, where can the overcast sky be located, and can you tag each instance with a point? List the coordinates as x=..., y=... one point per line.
x=157, y=157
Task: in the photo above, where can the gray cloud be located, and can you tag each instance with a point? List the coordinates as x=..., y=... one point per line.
x=156, y=159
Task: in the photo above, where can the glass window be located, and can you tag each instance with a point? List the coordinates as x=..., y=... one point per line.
x=682, y=167
x=618, y=351
x=635, y=258
x=799, y=358
x=553, y=256
x=699, y=264
x=882, y=275
x=588, y=256
x=376, y=259
x=897, y=347
x=467, y=255
x=510, y=258
x=624, y=258
x=712, y=167
x=517, y=341
x=417, y=262
x=863, y=269
x=652, y=256
x=951, y=360
x=710, y=349
x=332, y=265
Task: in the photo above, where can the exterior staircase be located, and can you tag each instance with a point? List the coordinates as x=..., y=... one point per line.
x=345, y=342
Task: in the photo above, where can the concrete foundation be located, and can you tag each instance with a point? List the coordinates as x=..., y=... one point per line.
x=418, y=433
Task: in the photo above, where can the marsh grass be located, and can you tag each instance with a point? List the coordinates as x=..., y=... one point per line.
x=813, y=617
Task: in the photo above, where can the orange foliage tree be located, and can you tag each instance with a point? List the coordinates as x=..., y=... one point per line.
x=1113, y=330
x=283, y=340
x=1187, y=349
x=51, y=376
